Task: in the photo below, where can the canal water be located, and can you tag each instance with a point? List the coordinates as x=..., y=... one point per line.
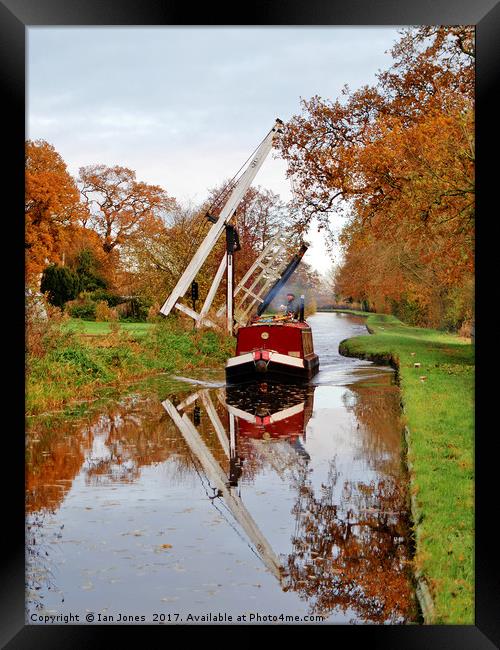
x=197, y=502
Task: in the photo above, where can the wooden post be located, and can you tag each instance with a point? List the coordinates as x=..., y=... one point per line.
x=229, y=294
x=212, y=291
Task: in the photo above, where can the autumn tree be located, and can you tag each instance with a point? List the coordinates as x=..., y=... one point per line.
x=159, y=256
x=398, y=158
x=118, y=205
x=154, y=259
x=260, y=215
x=52, y=205
x=84, y=254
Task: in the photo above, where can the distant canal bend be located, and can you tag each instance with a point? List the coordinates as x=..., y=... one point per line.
x=258, y=502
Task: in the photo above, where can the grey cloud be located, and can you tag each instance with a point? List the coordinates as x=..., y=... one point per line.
x=184, y=107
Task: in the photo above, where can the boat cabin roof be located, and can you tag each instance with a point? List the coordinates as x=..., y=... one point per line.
x=297, y=324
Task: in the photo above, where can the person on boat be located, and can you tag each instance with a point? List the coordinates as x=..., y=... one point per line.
x=292, y=306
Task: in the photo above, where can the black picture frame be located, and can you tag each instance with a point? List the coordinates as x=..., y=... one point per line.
x=15, y=17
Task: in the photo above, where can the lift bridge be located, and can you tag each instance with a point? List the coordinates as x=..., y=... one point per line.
x=262, y=281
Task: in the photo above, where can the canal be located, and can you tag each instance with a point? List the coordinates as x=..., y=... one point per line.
x=261, y=502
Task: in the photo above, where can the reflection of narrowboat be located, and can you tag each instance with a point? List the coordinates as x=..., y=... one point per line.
x=273, y=350
x=270, y=410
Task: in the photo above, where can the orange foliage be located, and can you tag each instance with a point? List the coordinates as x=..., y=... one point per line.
x=52, y=204
x=119, y=206
x=398, y=158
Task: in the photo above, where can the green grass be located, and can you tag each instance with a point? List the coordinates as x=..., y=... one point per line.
x=80, y=359
x=93, y=328
x=439, y=412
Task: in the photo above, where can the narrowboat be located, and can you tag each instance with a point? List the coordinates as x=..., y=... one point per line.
x=273, y=349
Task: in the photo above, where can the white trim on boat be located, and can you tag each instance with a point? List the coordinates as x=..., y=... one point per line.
x=284, y=358
x=236, y=361
x=273, y=356
x=275, y=417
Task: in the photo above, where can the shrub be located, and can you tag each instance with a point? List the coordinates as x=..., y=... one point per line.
x=104, y=313
x=213, y=344
x=409, y=311
x=154, y=313
x=81, y=308
x=310, y=307
x=81, y=359
x=43, y=326
x=136, y=310
x=60, y=284
x=458, y=308
x=467, y=329
x=112, y=299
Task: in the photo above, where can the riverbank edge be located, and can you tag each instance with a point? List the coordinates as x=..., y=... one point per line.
x=423, y=591
x=77, y=368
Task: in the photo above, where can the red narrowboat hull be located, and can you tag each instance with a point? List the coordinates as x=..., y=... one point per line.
x=267, y=351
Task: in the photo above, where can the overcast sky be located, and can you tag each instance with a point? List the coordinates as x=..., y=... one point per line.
x=185, y=107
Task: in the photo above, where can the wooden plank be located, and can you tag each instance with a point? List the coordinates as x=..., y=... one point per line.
x=215, y=420
x=216, y=230
x=213, y=290
x=244, y=310
x=188, y=401
x=249, y=307
x=249, y=293
x=218, y=478
x=265, y=268
x=193, y=314
x=258, y=262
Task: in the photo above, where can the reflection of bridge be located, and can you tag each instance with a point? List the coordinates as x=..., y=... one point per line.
x=225, y=485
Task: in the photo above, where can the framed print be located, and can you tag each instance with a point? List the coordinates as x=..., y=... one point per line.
x=251, y=308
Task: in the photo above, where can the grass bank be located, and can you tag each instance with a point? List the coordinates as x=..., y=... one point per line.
x=438, y=400
x=75, y=360
x=99, y=328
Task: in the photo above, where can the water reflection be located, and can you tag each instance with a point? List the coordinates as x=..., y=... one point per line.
x=108, y=447
x=263, y=498
x=349, y=553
